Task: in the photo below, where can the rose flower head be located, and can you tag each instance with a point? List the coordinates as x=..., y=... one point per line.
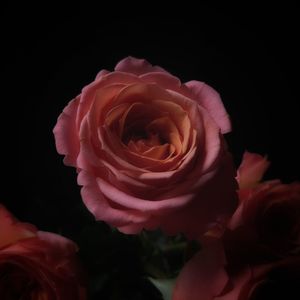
x=149, y=150
x=268, y=215
x=210, y=275
x=37, y=265
x=258, y=256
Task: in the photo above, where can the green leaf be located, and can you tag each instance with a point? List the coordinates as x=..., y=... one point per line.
x=165, y=286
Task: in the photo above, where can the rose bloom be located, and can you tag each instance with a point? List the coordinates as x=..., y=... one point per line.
x=36, y=265
x=259, y=256
x=267, y=219
x=208, y=276
x=149, y=150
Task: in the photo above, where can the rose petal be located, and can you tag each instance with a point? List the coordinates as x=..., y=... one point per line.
x=203, y=277
x=180, y=119
x=101, y=74
x=137, y=66
x=131, y=202
x=57, y=243
x=164, y=80
x=89, y=92
x=211, y=148
x=208, y=98
x=66, y=134
x=12, y=230
x=251, y=170
x=99, y=206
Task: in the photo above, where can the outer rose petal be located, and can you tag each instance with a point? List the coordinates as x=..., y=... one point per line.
x=163, y=79
x=210, y=100
x=58, y=243
x=199, y=217
x=203, y=277
x=11, y=230
x=251, y=170
x=99, y=206
x=66, y=135
x=137, y=66
x=238, y=284
x=101, y=74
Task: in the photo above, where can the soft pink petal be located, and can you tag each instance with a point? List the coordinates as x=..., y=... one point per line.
x=11, y=230
x=211, y=101
x=184, y=169
x=121, y=177
x=89, y=92
x=213, y=144
x=87, y=158
x=100, y=207
x=203, y=277
x=161, y=178
x=163, y=79
x=66, y=134
x=131, y=202
x=58, y=243
x=88, y=131
x=251, y=170
x=136, y=66
x=101, y=74
x=211, y=206
x=237, y=284
x=180, y=118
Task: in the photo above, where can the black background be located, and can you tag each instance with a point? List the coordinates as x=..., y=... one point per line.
x=248, y=54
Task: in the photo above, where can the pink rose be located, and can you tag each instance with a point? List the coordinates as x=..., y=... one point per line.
x=36, y=265
x=268, y=216
x=149, y=150
x=207, y=276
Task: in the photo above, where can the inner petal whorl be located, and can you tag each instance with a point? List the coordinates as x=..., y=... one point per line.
x=144, y=129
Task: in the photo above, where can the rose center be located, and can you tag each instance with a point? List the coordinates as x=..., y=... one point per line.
x=140, y=133
x=145, y=130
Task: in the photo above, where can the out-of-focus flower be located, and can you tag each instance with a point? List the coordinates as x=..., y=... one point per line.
x=258, y=256
x=268, y=216
x=37, y=265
